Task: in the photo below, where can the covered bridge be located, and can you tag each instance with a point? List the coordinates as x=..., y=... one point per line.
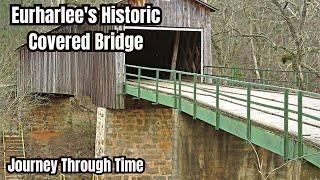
x=182, y=41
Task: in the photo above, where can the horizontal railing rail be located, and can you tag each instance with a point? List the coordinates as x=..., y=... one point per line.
x=254, y=69
x=186, y=82
x=284, y=78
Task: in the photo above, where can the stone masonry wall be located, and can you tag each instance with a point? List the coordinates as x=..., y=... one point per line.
x=139, y=133
x=201, y=152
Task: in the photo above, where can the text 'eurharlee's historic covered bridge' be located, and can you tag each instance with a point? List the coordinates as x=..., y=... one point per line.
x=182, y=41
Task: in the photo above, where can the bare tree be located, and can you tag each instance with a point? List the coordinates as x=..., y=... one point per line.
x=272, y=34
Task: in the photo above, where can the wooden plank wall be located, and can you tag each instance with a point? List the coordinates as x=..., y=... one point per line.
x=92, y=74
x=99, y=74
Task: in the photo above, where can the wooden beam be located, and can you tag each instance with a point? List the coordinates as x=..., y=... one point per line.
x=175, y=53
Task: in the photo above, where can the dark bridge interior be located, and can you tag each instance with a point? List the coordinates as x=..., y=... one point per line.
x=160, y=47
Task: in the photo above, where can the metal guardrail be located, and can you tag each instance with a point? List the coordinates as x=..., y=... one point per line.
x=219, y=95
x=284, y=78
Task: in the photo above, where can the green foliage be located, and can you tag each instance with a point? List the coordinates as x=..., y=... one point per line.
x=287, y=58
x=237, y=74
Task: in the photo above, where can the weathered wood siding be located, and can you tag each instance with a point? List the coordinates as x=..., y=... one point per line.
x=100, y=74
x=91, y=74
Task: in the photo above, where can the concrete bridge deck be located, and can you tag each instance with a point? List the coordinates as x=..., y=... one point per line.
x=260, y=114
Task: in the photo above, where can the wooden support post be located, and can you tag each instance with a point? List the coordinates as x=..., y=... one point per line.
x=175, y=53
x=195, y=96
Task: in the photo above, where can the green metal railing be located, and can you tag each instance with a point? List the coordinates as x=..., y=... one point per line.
x=284, y=78
x=140, y=76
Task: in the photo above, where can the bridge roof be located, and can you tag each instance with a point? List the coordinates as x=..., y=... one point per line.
x=202, y=3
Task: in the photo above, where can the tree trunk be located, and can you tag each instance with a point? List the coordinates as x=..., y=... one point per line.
x=296, y=32
x=297, y=67
x=253, y=52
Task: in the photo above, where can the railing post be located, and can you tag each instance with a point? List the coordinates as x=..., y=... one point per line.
x=180, y=91
x=175, y=88
x=286, y=118
x=194, y=96
x=249, y=123
x=306, y=81
x=233, y=72
x=139, y=82
x=217, y=104
x=296, y=80
x=157, y=86
x=300, y=137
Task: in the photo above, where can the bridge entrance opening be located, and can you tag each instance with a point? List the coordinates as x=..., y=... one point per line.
x=167, y=48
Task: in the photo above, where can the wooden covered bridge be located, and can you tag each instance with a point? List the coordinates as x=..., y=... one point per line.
x=171, y=71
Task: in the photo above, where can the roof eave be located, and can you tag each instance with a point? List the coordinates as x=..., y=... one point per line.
x=212, y=9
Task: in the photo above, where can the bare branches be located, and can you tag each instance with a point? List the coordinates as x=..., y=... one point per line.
x=303, y=14
x=260, y=36
x=279, y=28
x=311, y=69
x=288, y=21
